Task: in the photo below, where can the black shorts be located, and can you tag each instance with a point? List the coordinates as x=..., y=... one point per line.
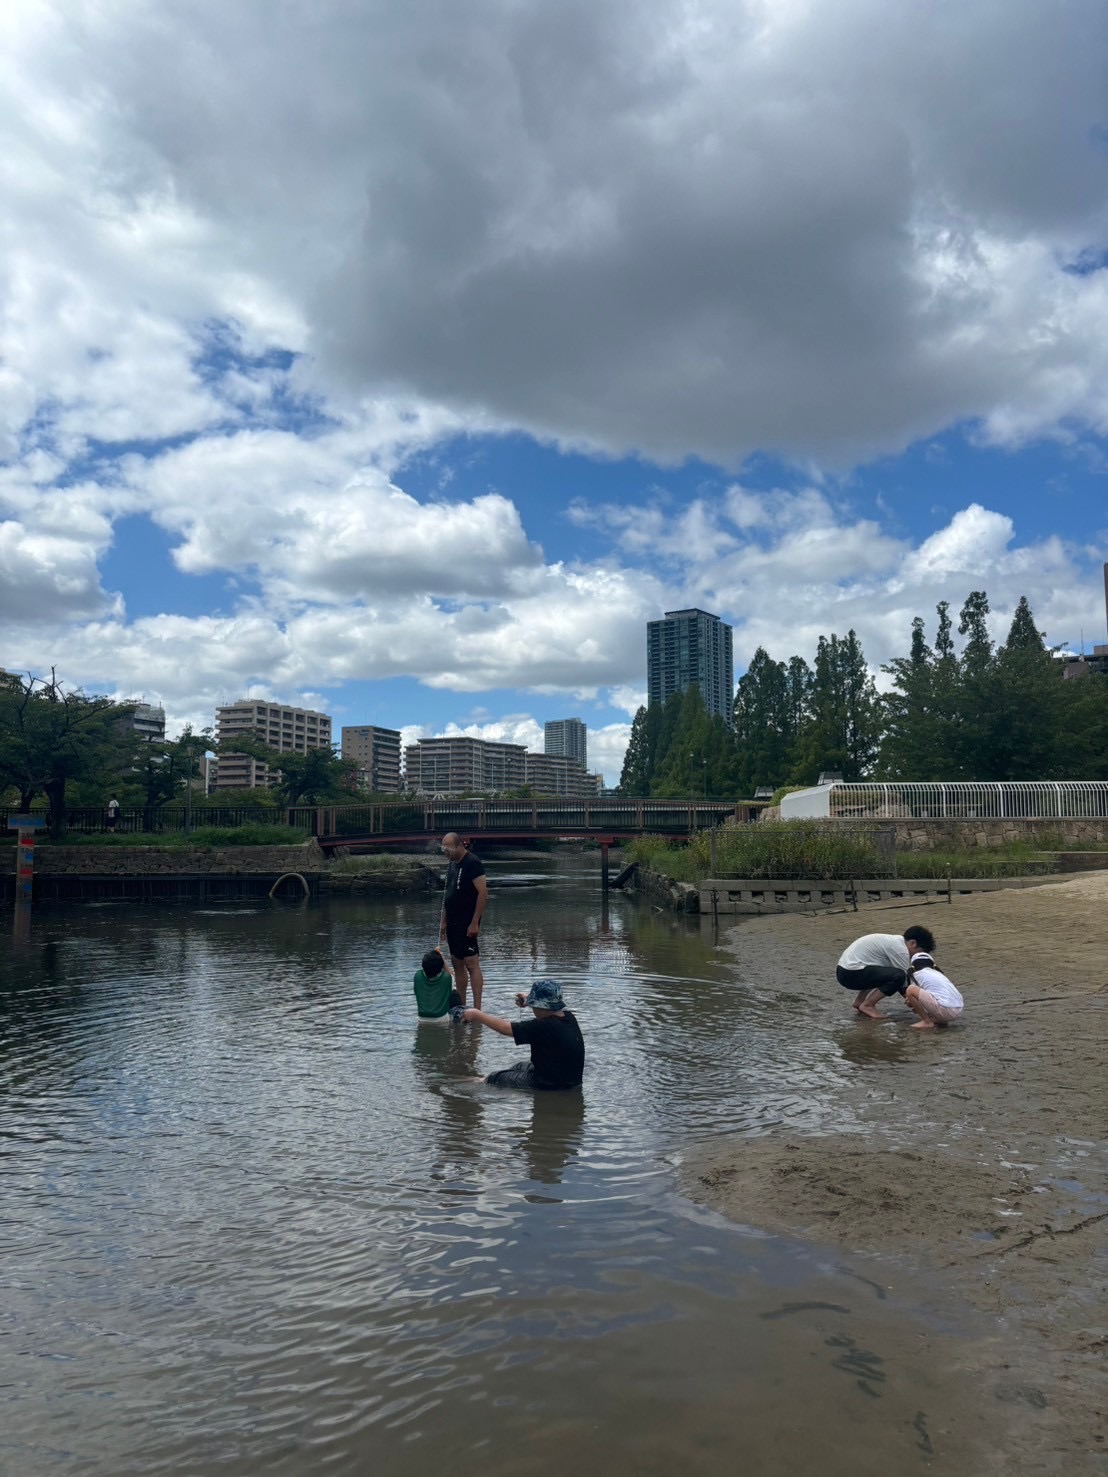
x=522, y=1076
x=462, y=945
x=884, y=977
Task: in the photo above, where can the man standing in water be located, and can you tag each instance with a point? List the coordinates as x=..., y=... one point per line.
x=463, y=902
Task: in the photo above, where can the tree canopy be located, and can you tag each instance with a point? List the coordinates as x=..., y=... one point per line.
x=987, y=712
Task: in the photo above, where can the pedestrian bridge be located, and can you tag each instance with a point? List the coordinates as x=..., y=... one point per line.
x=363, y=827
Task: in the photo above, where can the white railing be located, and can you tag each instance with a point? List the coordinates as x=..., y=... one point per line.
x=970, y=800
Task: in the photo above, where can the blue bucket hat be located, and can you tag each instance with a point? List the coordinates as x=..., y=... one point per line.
x=546, y=994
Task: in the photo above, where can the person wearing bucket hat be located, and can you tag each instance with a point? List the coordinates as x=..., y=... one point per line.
x=557, y=1046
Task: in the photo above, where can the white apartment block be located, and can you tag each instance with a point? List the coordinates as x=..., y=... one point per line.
x=290, y=730
x=149, y=722
x=556, y=774
x=457, y=766
x=376, y=752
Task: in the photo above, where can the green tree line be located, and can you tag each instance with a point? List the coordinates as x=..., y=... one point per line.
x=61, y=749
x=984, y=712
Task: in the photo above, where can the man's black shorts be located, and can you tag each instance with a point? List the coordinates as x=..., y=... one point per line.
x=884, y=977
x=462, y=945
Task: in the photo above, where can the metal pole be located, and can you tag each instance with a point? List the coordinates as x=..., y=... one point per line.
x=604, y=866
x=714, y=859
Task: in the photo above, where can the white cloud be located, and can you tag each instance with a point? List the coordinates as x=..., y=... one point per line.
x=825, y=229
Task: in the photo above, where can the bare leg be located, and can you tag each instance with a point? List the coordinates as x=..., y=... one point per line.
x=925, y=1023
x=468, y=971
x=477, y=980
x=864, y=1004
x=461, y=977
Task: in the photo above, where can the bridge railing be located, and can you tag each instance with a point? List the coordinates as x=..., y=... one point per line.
x=407, y=817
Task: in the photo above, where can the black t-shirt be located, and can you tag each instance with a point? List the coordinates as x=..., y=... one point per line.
x=557, y=1048
x=460, y=896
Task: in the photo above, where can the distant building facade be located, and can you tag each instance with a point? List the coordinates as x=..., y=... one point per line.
x=458, y=765
x=376, y=752
x=289, y=730
x=690, y=647
x=567, y=737
x=557, y=774
x=149, y=723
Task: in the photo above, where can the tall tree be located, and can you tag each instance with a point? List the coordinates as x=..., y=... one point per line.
x=318, y=777
x=50, y=736
x=975, y=725
x=846, y=715
x=638, y=762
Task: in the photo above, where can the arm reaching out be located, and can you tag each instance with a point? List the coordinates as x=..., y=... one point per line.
x=494, y=1022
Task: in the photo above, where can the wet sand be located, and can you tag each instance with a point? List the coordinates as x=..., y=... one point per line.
x=975, y=1158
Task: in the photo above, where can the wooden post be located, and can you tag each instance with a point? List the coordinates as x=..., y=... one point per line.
x=714, y=864
x=604, y=865
x=949, y=896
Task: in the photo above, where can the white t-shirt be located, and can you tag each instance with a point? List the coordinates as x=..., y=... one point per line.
x=936, y=983
x=876, y=948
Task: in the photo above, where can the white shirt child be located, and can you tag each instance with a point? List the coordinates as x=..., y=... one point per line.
x=928, y=978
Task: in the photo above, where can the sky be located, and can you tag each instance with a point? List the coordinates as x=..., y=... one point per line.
x=404, y=360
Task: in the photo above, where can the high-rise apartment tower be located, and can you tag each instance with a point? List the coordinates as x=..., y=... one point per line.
x=567, y=737
x=686, y=647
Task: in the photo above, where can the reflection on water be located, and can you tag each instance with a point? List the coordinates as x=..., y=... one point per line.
x=257, y=1218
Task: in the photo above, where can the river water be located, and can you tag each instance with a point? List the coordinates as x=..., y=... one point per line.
x=254, y=1218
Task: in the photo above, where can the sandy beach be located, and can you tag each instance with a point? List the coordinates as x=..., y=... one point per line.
x=975, y=1157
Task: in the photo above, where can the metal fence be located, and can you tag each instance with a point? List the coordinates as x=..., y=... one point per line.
x=553, y=817
x=137, y=820
x=970, y=800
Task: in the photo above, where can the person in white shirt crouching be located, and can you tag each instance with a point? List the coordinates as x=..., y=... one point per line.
x=931, y=995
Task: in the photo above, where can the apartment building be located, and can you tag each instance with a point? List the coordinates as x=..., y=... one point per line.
x=290, y=730
x=556, y=774
x=376, y=752
x=687, y=647
x=568, y=737
x=149, y=722
x=459, y=765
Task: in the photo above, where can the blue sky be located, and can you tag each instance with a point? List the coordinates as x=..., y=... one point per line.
x=409, y=363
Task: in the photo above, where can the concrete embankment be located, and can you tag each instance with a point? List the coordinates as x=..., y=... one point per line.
x=190, y=873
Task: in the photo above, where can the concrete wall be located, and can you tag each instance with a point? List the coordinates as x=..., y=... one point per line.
x=152, y=861
x=751, y=896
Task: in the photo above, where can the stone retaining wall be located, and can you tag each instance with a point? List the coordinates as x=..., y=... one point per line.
x=193, y=861
x=940, y=835
x=750, y=896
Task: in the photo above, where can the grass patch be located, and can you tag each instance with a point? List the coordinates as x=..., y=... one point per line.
x=784, y=849
x=374, y=865
x=1000, y=861
x=205, y=838
x=808, y=849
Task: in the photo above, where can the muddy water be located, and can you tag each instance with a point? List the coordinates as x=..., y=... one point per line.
x=254, y=1219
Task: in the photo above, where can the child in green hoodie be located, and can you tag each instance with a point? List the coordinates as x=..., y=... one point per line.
x=434, y=989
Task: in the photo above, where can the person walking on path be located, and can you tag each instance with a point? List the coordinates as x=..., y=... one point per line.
x=463, y=903
x=113, y=813
x=877, y=965
x=557, y=1046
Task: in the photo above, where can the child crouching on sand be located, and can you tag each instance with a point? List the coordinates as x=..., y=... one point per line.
x=930, y=994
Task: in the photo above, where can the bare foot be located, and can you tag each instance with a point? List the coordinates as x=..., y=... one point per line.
x=870, y=1013
x=924, y=1026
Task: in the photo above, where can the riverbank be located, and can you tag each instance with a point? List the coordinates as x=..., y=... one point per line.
x=975, y=1155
